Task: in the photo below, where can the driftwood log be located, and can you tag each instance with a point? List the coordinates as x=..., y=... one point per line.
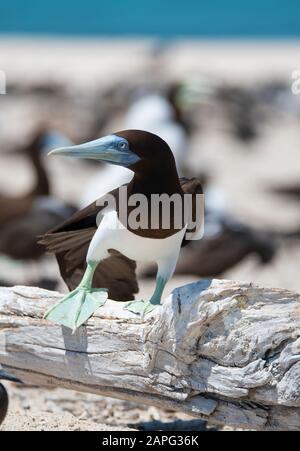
x=222, y=351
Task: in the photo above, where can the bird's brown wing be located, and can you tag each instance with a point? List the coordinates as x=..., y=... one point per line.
x=193, y=186
x=70, y=242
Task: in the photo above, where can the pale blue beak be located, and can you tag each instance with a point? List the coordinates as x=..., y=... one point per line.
x=111, y=149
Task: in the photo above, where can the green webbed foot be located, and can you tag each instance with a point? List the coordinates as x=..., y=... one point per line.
x=141, y=307
x=77, y=307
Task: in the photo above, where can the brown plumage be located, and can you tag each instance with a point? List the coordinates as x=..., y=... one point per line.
x=24, y=218
x=3, y=403
x=4, y=395
x=289, y=191
x=15, y=207
x=19, y=238
x=211, y=257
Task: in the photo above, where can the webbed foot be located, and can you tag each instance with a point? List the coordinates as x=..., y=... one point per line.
x=77, y=307
x=141, y=307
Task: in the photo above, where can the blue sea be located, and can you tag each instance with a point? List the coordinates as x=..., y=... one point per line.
x=159, y=18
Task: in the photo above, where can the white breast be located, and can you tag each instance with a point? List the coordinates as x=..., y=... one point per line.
x=111, y=234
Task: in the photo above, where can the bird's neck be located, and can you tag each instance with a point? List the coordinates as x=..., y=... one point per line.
x=42, y=186
x=158, y=181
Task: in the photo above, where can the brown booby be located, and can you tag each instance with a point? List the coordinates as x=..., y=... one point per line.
x=15, y=207
x=24, y=218
x=241, y=109
x=214, y=255
x=102, y=258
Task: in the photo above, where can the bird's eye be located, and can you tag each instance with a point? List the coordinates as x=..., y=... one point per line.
x=123, y=146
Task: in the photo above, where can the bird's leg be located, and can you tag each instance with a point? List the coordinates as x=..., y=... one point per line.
x=79, y=305
x=165, y=271
x=156, y=297
x=141, y=307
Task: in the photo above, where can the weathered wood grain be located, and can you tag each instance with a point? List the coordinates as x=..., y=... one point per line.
x=222, y=351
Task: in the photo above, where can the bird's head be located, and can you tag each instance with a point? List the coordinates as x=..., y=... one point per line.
x=134, y=149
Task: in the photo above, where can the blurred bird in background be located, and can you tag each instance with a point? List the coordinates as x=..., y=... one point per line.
x=23, y=219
